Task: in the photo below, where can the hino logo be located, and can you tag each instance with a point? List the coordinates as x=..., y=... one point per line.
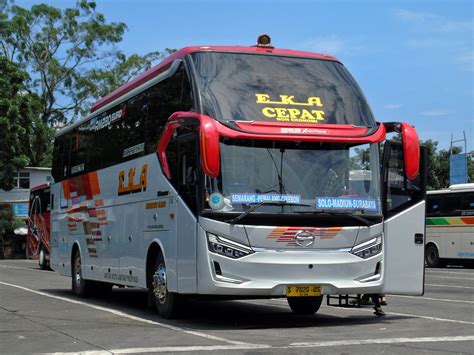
x=304, y=238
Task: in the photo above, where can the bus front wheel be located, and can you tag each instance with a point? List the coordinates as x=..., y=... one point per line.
x=432, y=256
x=167, y=303
x=305, y=305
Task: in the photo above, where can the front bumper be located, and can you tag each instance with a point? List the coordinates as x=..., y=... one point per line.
x=266, y=273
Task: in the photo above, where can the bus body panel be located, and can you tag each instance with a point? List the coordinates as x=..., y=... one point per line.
x=450, y=221
x=186, y=236
x=404, y=259
x=113, y=230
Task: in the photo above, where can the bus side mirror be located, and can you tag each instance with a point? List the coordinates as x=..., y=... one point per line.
x=411, y=147
x=210, y=149
x=411, y=151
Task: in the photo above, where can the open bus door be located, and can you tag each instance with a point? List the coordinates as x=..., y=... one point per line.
x=404, y=226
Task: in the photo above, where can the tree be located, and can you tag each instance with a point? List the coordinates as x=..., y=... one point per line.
x=72, y=60
x=18, y=117
x=438, y=165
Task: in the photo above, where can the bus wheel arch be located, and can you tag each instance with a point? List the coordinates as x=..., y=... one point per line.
x=432, y=255
x=167, y=303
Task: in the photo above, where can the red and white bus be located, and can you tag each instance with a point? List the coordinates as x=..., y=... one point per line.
x=38, y=239
x=239, y=172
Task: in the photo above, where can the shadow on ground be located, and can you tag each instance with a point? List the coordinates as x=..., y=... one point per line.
x=230, y=315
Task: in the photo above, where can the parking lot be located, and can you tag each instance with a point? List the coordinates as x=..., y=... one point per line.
x=39, y=314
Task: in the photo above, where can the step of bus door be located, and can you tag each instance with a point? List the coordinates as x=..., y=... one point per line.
x=343, y=300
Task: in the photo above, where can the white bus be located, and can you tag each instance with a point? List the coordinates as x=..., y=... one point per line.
x=225, y=171
x=450, y=225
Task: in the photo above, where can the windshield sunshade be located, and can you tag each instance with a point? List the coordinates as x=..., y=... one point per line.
x=249, y=87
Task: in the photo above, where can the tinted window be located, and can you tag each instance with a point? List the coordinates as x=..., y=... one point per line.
x=400, y=192
x=124, y=132
x=182, y=155
x=279, y=89
x=169, y=96
x=451, y=204
x=39, y=201
x=468, y=204
x=433, y=205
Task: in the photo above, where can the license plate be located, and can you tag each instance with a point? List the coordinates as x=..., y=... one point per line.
x=303, y=290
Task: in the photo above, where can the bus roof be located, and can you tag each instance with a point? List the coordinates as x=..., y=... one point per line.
x=454, y=188
x=151, y=73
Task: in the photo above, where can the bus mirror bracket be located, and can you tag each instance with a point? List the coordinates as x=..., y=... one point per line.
x=411, y=147
x=210, y=148
x=209, y=142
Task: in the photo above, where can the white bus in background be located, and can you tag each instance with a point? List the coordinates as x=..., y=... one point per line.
x=450, y=225
x=226, y=171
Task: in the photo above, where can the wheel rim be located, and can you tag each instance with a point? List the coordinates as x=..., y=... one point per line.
x=159, y=284
x=77, y=272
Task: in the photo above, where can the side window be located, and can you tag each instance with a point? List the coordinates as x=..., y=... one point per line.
x=451, y=205
x=468, y=204
x=183, y=160
x=65, y=167
x=134, y=128
x=165, y=98
x=433, y=205
x=399, y=192
x=79, y=152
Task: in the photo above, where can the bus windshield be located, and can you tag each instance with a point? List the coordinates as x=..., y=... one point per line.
x=250, y=87
x=308, y=177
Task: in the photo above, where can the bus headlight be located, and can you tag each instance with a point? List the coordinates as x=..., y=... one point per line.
x=226, y=247
x=369, y=248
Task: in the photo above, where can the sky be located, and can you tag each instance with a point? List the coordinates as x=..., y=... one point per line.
x=414, y=60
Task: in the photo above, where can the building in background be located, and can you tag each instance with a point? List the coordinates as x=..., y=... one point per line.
x=19, y=196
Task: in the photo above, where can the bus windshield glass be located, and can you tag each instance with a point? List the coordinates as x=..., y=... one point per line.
x=257, y=87
x=308, y=177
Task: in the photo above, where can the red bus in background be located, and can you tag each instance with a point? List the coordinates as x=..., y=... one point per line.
x=38, y=245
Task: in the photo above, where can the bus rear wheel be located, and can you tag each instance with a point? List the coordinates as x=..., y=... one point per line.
x=305, y=305
x=167, y=303
x=79, y=286
x=432, y=256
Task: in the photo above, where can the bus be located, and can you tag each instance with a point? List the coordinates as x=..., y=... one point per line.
x=38, y=238
x=224, y=171
x=450, y=225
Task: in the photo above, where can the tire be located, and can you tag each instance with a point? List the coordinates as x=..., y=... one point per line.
x=432, y=256
x=79, y=286
x=305, y=305
x=167, y=303
x=42, y=261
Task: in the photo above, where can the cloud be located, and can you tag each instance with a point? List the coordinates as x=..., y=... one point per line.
x=329, y=44
x=392, y=106
x=333, y=45
x=435, y=113
x=466, y=58
x=433, y=23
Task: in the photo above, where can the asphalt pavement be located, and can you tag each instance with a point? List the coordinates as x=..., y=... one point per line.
x=39, y=314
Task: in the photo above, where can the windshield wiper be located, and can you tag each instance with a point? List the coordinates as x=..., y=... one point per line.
x=267, y=203
x=361, y=219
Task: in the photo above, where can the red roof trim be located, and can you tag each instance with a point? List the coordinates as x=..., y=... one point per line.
x=151, y=73
x=39, y=187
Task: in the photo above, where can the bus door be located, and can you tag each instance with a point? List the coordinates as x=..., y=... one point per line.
x=404, y=226
x=184, y=165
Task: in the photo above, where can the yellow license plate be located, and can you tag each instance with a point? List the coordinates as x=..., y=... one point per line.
x=303, y=290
